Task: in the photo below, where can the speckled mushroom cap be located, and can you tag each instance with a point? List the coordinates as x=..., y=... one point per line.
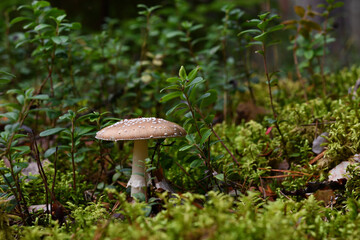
x=140, y=128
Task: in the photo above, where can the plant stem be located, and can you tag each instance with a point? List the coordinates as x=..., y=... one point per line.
x=73, y=152
x=217, y=136
x=271, y=98
x=192, y=112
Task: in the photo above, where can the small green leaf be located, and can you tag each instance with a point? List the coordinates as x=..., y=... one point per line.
x=40, y=4
x=196, y=163
x=182, y=73
x=61, y=17
x=175, y=107
x=254, y=43
x=196, y=81
x=175, y=34
x=205, y=136
x=309, y=54
x=18, y=19
x=255, y=31
x=7, y=74
x=22, y=148
x=173, y=80
x=21, y=164
x=274, y=82
x=42, y=26
x=275, y=28
x=264, y=15
x=208, y=100
x=40, y=97
x=205, y=95
x=261, y=37
x=139, y=196
x=186, y=147
x=193, y=73
x=51, y=131
x=262, y=25
x=171, y=87
x=49, y=152
x=220, y=176
x=59, y=40
x=170, y=96
x=116, y=176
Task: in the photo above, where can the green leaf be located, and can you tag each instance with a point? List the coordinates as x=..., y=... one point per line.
x=175, y=107
x=59, y=40
x=61, y=17
x=4, y=169
x=254, y=43
x=171, y=87
x=274, y=82
x=49, y=152
x=193, y=73
x=175, y=34
x=208, y=100
x=51, y=131
x=309, y=54
x=264, y=15
x=22, y=148
x=42, y=26
x=220, y=176
x=116, y=176
x=7, y=74
x=275, y=28
x=205, y=95
x=21, y=165
x=170, y=96
x=261, y=37
x=173, y=80
x=139, y=196
x=83, y=130
x=182, y=73
x=40, y=4
x=205, y=136
x=255, y=31
x=190, y=138
x=13, y=116
x=18, y=19
x=196, y=163
x=262, y=25
x=186, y=147
x=40, y=97
x=196, y=81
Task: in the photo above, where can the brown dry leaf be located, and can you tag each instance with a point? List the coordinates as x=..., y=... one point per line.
x=327, y=195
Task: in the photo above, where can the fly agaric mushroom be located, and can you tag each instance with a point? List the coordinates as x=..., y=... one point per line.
x=139, y=130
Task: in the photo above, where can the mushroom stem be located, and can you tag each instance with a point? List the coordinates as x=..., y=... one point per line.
x=137, y=180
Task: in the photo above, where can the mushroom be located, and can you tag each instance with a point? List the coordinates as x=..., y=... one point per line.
x=139, y=130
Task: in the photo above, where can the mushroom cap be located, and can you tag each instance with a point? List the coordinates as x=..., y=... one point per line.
x=140, y=128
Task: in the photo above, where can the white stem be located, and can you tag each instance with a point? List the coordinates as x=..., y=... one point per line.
x=137, y=180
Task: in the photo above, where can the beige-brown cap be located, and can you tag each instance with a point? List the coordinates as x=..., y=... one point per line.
x=140, y=128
